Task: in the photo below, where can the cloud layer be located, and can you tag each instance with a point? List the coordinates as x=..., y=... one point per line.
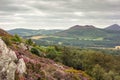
x=61, y=14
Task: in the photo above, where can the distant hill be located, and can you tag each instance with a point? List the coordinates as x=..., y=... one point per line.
x=31, y=32
x=84, y=36
x=87, y=31
x=114, y=27
x=82, y=27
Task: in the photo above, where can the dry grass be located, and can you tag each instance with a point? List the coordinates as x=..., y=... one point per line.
x=38, y=37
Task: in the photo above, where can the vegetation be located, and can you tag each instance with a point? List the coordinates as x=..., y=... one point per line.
x=83, y=37
x=7, y=41
x=17, y=38
x=35, y=51
x=97, y=63
x=29, y=42
x=30, y=32
x=12, y=39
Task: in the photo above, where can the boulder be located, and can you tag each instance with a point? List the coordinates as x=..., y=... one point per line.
x=8, y=65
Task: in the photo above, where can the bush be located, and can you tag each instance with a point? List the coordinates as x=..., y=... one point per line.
x=98, y=72
x=35, y=51
x=29, y=42
x=7, y=41
x=16, y=38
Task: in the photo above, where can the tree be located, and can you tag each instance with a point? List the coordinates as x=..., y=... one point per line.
x=29, y=42
x=98, y=72
x=51, y=53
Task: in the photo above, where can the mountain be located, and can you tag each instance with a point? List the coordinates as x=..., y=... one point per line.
x=31, y=32
x=87, y=31
x=19, y=61
x=82, y=27
x=114, y=27
x=83, y=36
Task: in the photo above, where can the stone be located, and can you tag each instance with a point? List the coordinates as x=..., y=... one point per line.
x=22, y=46
x=21, y=67
x=8, y=66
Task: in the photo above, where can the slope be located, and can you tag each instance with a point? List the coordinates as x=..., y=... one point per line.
x=114, y=27
x=87, y=31
x=31, y=32
x=21, y=64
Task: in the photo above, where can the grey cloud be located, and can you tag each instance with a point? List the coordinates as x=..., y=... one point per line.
x=58, y=12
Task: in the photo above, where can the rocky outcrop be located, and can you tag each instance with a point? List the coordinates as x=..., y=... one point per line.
x=8, y=63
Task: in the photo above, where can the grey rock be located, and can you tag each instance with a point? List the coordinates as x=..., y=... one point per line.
x=8, y=66
x=22, y=46
x=21, y=67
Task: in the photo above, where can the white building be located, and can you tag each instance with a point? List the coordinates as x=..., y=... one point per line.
x=117, y=47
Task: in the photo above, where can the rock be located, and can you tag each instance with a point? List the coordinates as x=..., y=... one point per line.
x=11, y=71
x=8, y=66
x=29, y=47
x=6, y=52
x=21, y=67
x=7, y=69
x=22, y=46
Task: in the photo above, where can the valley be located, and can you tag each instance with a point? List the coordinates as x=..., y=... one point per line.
x=59, y=39
x=79, y=36
x=54, y=56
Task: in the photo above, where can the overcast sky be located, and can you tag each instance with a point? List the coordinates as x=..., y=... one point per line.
x=58, y=14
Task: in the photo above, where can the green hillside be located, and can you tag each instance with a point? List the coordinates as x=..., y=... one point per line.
x=85, y=32
x=83, y=36
x=31, y=32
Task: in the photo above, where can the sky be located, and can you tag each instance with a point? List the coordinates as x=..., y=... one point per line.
x=58, y=14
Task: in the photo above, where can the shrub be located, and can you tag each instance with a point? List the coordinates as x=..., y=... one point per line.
x=7, y=41
x=29, y=42
x=16, y=38
x=98, y=72
x=35, y=51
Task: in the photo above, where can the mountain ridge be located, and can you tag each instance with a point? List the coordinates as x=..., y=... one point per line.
x=31, y=32
x=114, y=27
x=85, y=31
x=81, y=27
